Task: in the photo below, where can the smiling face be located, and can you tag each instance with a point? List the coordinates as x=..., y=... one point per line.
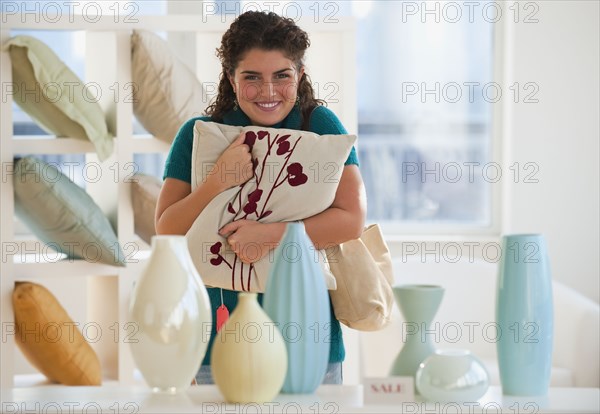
x=265, y=83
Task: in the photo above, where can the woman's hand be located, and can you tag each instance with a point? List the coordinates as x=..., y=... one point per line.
x=252, y=240
x=234, y=166
x=178, y=206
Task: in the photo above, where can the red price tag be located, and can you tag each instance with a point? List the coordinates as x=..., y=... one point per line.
x=222, y=316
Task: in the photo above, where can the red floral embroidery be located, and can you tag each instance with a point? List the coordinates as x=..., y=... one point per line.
x=218, y=259
x=295, y=175
x=250, y=139
x=255, y=208
x=253, y=199
x=283, y=145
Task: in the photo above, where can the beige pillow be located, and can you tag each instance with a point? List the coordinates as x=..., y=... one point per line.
x=54, y=96
x=50, y=340
x=296, y=176
x=167, y=92
x=144, y=194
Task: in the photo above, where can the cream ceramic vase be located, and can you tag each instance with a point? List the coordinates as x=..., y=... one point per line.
x=249, y=358
x=171, y=310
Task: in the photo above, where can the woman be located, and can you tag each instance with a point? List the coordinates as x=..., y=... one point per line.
x=262, y=83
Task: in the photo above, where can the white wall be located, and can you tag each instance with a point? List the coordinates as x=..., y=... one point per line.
x=561, y=135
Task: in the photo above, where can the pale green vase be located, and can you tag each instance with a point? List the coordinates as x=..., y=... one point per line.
x=418, y=304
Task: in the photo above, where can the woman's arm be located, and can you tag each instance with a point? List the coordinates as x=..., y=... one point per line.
x=342, y=221
x=178, y=206
x=345, y=219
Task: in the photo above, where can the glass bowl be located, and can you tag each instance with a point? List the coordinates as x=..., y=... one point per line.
x=452, y=375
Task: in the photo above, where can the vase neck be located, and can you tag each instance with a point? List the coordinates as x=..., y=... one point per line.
x=524, y=238
x=294, y=229
x=168, y=241
x=247, y=297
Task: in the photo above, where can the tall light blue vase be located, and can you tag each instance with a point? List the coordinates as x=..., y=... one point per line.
x=524, y=313
x=296, y=299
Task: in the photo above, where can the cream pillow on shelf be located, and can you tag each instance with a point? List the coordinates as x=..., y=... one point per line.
x=49, y=338
x=296, y=176
x=54, y=96
x=144, y=194
x=167, y=92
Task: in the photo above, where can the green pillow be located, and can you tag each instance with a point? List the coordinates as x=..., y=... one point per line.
x=62, y=214
x=54, y=96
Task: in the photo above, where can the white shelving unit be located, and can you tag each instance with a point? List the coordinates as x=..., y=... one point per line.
x=330, y=61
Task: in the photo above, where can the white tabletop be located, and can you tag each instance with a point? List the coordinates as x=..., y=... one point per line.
x=327, y=399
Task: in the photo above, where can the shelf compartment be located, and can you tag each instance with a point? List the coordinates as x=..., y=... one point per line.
x=148, y=144
x=49, y=144
x=36, y=268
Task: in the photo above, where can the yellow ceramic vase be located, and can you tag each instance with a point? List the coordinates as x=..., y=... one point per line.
x=249, y=358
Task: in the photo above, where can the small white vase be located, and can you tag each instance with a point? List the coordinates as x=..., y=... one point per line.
x=171, y=310
x=452, y=375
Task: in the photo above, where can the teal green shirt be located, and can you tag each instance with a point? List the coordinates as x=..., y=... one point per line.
x=179, y=165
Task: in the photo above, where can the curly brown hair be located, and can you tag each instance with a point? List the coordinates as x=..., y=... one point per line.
x=266, y=31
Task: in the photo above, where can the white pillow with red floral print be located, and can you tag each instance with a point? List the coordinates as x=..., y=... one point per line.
x=296, y=175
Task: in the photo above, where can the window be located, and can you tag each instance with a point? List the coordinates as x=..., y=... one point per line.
x=425, y=96
x=426, y=93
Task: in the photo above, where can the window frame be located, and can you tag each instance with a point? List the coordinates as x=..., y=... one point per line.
x=399, y=230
